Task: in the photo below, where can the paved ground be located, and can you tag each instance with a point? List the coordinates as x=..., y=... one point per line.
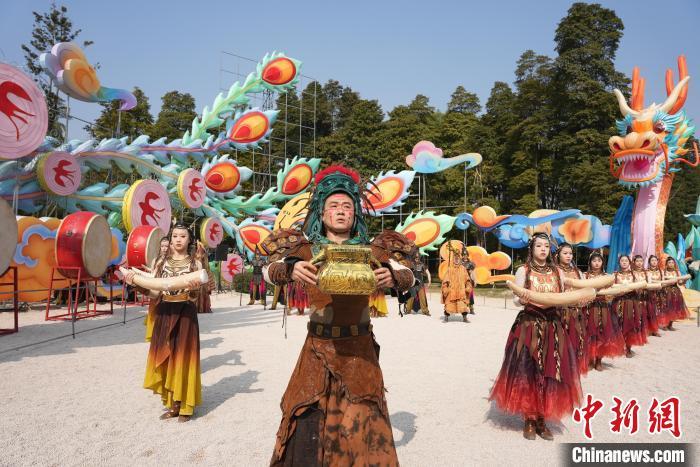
x=79, y=401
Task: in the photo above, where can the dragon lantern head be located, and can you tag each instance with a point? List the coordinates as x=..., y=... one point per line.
x=652, y=139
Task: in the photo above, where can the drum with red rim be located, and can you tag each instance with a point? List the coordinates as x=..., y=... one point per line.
x=8, y=238
x=84, y=241
x=143, y=246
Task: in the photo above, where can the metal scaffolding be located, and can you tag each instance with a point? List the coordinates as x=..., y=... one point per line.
x=296, y=120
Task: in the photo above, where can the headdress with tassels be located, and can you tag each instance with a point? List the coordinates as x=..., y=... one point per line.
x=331, y=180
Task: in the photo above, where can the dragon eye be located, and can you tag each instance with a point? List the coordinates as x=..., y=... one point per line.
x=659, y=127
x=629, y=129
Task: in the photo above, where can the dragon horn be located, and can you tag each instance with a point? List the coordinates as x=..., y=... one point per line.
x=624, y=107
x=671, y=99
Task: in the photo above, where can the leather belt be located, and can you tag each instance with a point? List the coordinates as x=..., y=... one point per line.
x=327, y=331
x=183, y=297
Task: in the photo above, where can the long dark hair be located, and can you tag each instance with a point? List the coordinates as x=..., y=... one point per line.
x=657, y=263
x=619, y=261
x=558, y=257
x=675, y=263
x=549, y=261
x=634, y=260
x=592, y=256
x=190, y=247
x=531, y=244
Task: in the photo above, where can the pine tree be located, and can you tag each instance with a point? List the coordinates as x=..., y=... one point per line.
x=464, y=102
x=175, y=116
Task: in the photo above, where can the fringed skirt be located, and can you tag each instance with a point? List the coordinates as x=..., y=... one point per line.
x=150, y=318
x=377, y=304
x=257, y=291
x=631, y=311
x=540, y=372
x=574, y=322
x=604, y=334
x=676, y=307
x=334, y=411
x=652, y=312
x=296, y=296
x=172, y=368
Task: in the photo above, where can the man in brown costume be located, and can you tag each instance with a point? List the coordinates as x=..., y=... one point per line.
x=334, y=411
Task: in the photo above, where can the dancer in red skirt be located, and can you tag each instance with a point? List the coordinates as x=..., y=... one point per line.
x=296, y=298
x=539, y=378
x=649, y=322
x=604, y=333
x=630, y=308
x=573, y=318
x=657, y=298
x=675, y=304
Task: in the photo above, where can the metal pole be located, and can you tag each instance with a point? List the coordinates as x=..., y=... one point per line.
x=74, y=304
x=119, y=123
x=67, y=117
x=465, y=187
x=315, y=93
x=126, y=291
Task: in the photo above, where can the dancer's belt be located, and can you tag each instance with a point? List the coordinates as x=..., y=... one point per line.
x=182, y=297
x=548, y=314
x=327, y=331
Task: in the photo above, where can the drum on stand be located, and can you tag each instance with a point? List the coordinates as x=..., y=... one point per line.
x=143, y=246
x=84, y=241
x=8, y=239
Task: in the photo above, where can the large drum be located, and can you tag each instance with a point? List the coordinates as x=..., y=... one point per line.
x=146, y=202
x=143, y=246
x=84, y=241
x=24, y=118
x=8, y=237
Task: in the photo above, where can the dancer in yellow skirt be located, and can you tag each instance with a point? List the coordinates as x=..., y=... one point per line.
x=377, y=304
x=152, y=304
x=172, y=368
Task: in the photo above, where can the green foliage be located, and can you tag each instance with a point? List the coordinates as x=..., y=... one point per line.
x=543, y=139
x=50, y=28
x=464, y=102
x=175, y=116
x=135, y=122
x=241, y=282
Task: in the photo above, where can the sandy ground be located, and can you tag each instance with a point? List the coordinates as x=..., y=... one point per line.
x=80, y=402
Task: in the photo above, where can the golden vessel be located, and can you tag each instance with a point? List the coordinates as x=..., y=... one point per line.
x=346, y=270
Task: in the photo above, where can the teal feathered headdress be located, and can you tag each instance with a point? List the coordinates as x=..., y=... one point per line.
x=336, y=179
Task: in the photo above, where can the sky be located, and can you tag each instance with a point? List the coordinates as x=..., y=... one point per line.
x=385, y=50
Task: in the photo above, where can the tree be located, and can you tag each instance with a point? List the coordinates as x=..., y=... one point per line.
x=135, y=122
x=50, y=28
x=584, y=110
x=175, y=116
x=357, y=142
x=464, y=102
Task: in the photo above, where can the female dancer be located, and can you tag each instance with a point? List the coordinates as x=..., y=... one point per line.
x=604, y=333
x=656, y=298
x=172, y=368
x=640, y=275
x=573, y=318
x=296, y=298
x=675, y=304
x=152, y=304
x=539, y=378
x=629, y=308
